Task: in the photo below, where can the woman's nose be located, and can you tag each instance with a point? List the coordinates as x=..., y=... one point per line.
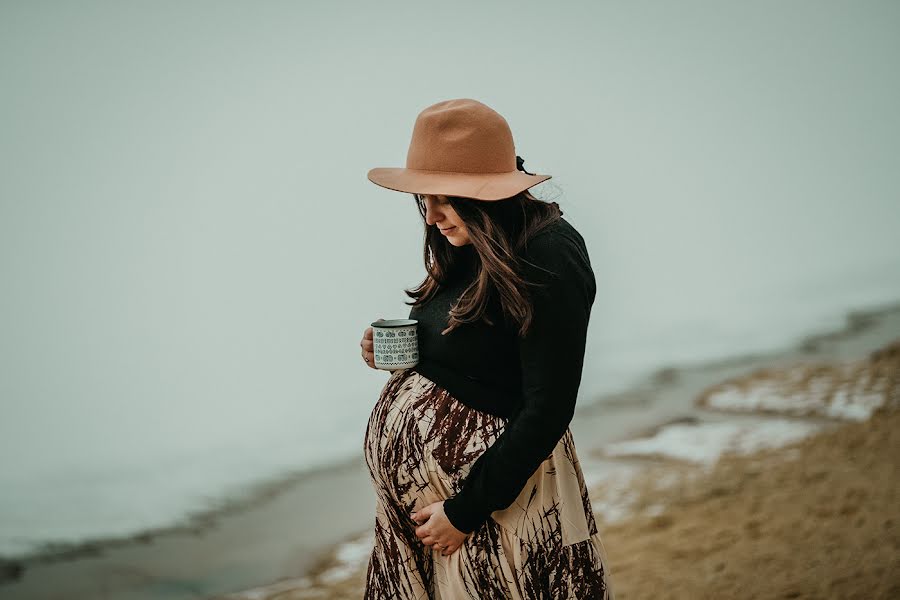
x=432, y=215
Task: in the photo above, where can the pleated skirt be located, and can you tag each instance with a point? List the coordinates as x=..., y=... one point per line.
x=419, y=445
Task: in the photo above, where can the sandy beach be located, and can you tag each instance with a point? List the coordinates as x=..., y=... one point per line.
x=771, y=476
x=818, y=521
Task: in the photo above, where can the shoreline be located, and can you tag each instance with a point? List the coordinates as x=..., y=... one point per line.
x=261, y=520
x=702, y=520
x=780, y=500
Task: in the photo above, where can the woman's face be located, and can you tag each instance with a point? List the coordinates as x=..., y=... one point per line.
x=439, y=212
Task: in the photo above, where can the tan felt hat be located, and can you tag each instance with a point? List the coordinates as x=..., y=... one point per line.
x=460, y=147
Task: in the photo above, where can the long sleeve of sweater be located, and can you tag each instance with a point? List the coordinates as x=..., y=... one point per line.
x=551, y=356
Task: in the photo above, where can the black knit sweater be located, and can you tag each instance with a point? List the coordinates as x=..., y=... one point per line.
x=532, y=381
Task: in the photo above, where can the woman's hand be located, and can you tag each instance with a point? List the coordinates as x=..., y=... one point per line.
x=368, y=346
x=436, y=530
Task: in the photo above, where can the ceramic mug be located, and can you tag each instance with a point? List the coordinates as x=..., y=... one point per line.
x=396, y=344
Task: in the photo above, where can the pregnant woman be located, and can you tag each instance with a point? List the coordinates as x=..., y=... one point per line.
x=479, y=490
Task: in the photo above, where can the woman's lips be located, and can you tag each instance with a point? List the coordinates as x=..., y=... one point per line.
x=448, y=229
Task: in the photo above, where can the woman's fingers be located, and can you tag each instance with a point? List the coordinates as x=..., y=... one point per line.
x=443, y=548
x=368, y=348
x=367, y=343
x=448, y=550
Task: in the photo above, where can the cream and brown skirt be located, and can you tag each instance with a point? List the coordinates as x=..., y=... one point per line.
x=419, y=445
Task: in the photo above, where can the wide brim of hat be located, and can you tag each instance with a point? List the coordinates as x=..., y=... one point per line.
x=480, y=186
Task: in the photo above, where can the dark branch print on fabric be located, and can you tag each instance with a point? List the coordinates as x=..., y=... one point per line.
x=419, y=445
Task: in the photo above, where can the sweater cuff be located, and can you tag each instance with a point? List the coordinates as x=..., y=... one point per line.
x=459, y=517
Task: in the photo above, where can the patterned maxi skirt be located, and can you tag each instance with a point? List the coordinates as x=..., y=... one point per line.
x=419, y=445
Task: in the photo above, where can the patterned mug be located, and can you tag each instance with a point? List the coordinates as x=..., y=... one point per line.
x=396, y=344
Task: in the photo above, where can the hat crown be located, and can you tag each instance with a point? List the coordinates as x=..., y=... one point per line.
x=461, y=136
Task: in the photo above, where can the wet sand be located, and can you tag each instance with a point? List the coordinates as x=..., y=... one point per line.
x=290, y=533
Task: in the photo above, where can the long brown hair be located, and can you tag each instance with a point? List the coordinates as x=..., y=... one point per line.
x=499, y=230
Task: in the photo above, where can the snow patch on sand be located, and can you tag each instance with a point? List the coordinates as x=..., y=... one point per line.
x=350, y=557
x=850, y=391
x=704, y=443
x=842, y=404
